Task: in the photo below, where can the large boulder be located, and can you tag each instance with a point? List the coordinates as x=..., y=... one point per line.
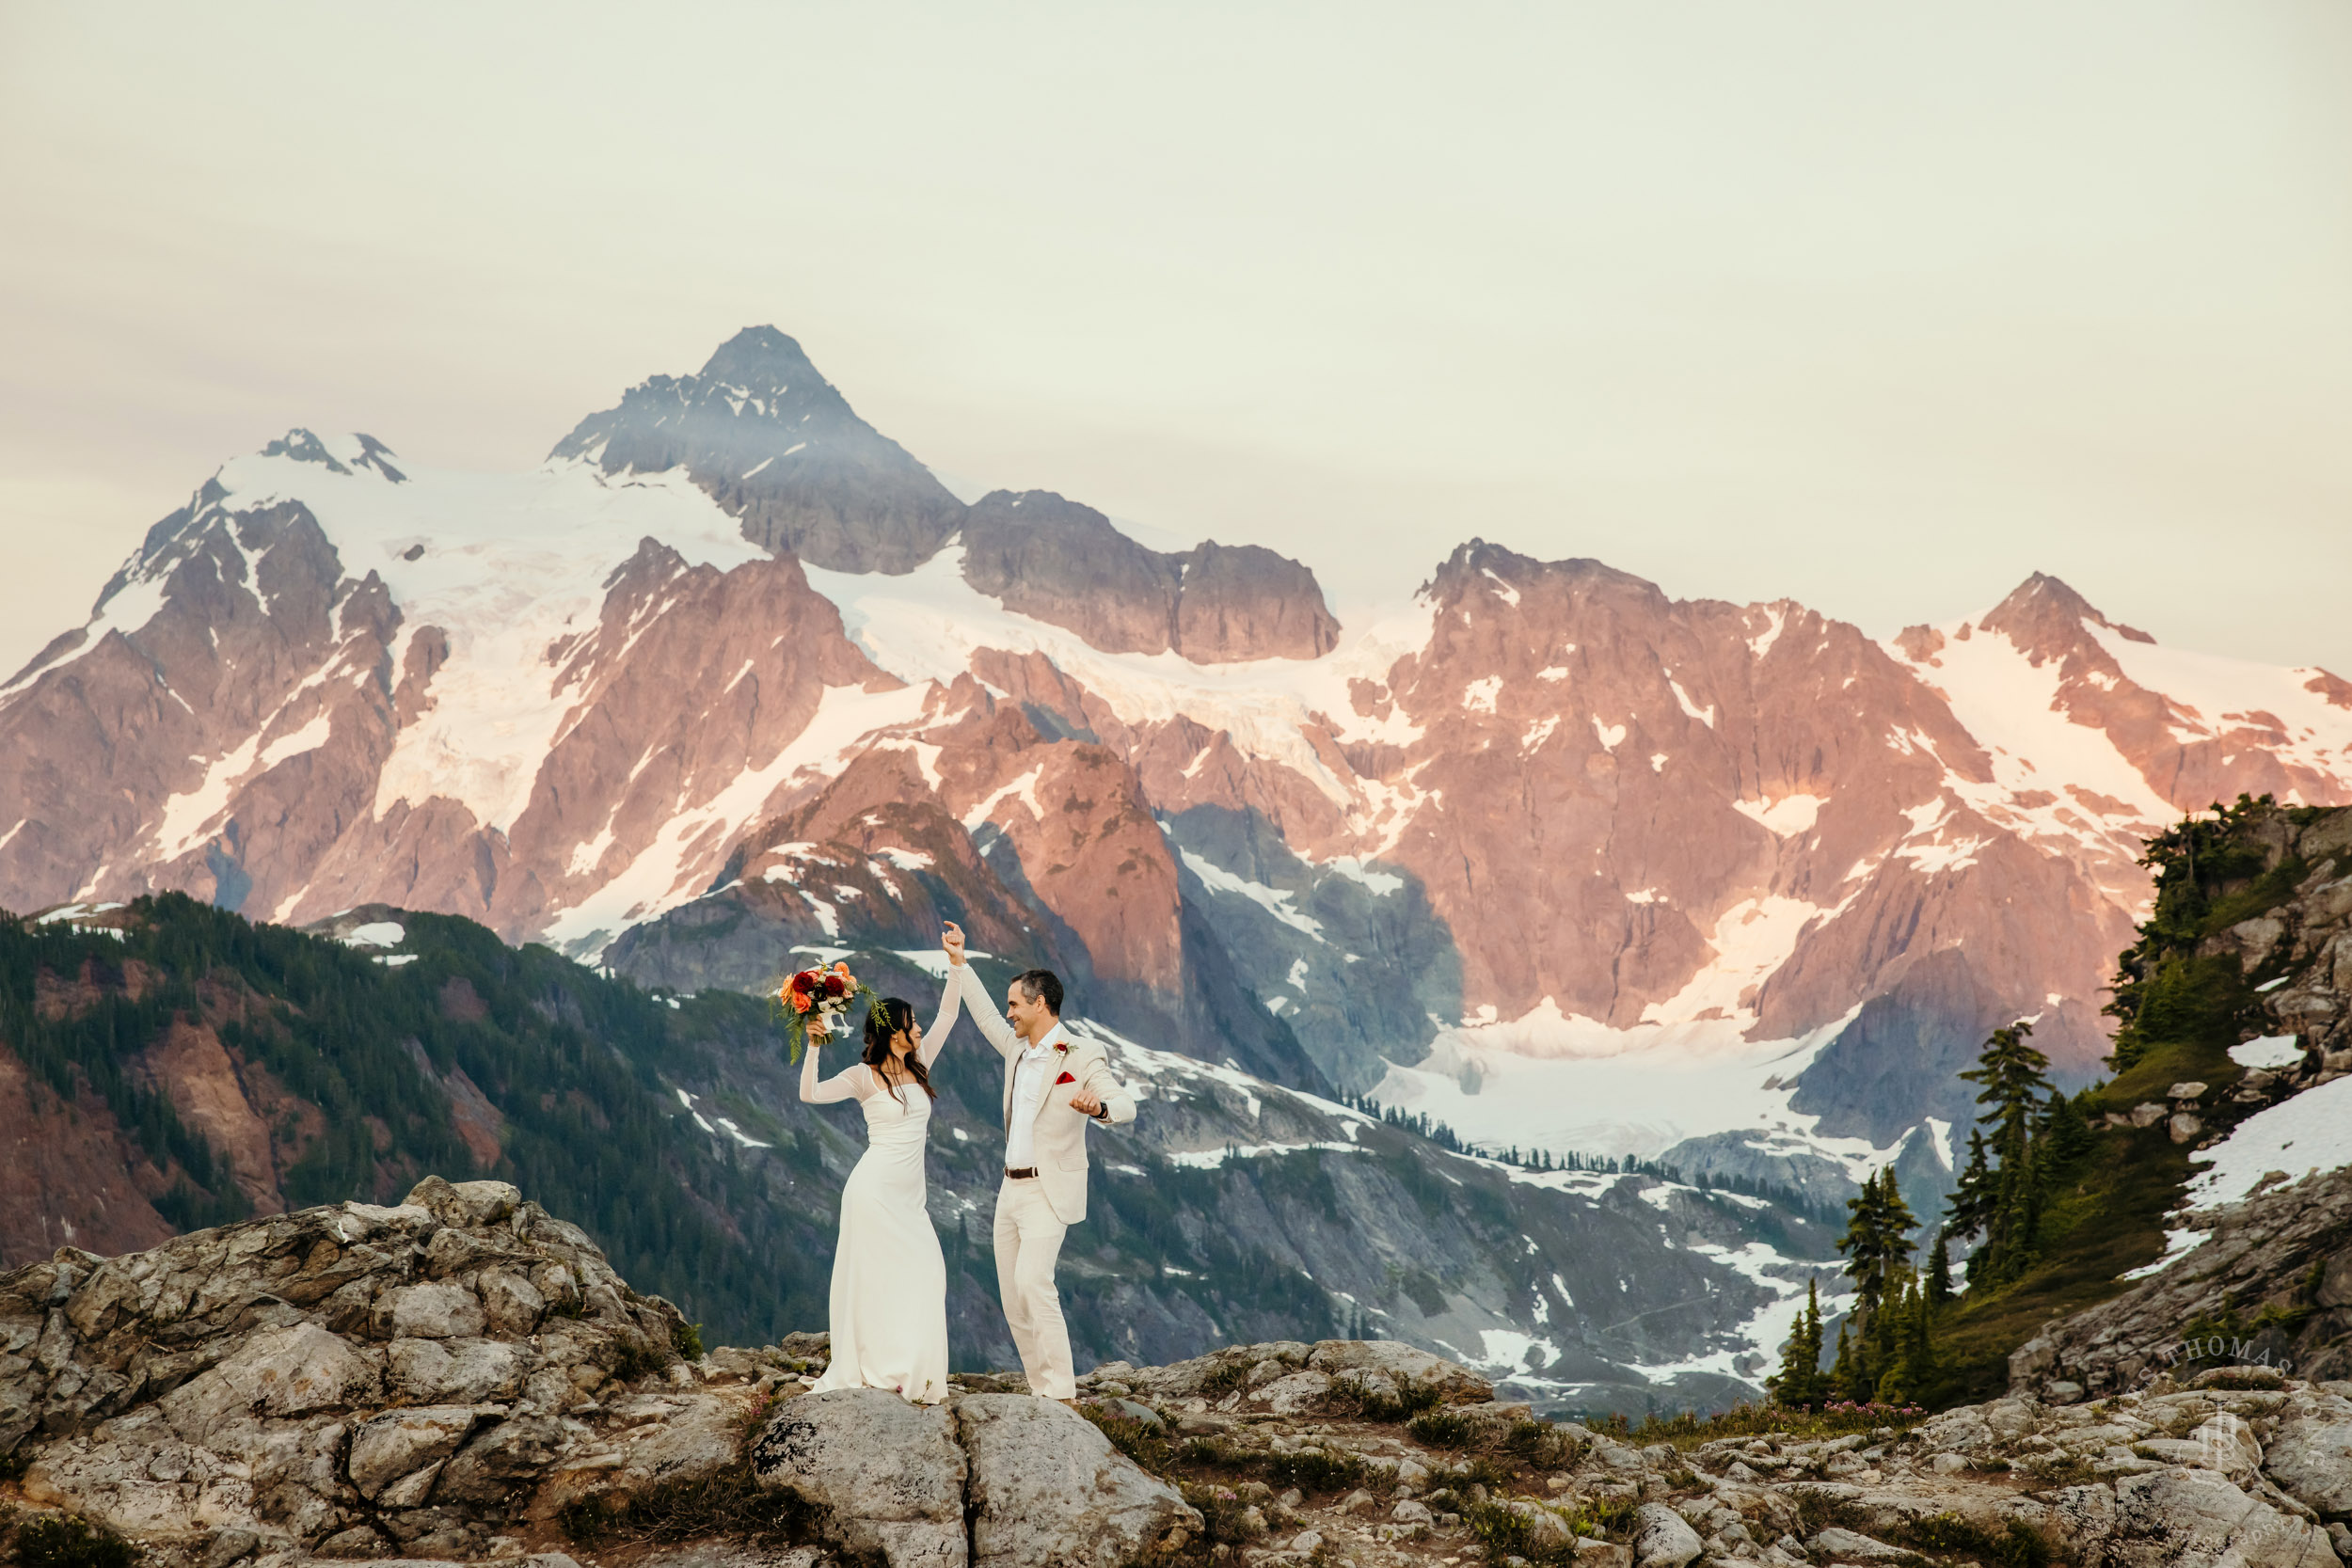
x=401, y=1443
x=1048, y=1490
x=290, y=1370
x=881, y=1478
x=1663, y=1538
x=2198, y=1518
x=1401, y=1366
x=2310, y=1459
x=1289, y=1378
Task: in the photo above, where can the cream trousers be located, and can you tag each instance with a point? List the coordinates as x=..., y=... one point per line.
x=1028, y=1244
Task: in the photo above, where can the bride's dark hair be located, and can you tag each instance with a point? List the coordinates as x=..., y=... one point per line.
x=884, y=1022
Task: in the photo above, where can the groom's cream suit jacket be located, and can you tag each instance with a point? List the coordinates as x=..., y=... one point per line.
x=1060, y=1132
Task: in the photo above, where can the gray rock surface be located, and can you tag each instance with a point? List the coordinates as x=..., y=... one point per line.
x=233, y=1382
x=2192, y=1518
x=1048, y=1488
x=240, y=1394
x=881, y=1477
x=1662, y=1539
x=2310, y=1459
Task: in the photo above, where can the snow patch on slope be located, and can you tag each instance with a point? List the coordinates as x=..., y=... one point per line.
x=505, y=564
x=1569, y=1083
x=927, y=625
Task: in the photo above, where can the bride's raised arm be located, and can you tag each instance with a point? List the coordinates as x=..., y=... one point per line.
x=851, y=1082
x=951, y=1004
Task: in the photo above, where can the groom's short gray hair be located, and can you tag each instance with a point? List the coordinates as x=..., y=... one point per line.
x=1041, y=985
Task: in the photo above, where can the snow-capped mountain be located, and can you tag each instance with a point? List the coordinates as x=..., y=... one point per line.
x=1545, y=853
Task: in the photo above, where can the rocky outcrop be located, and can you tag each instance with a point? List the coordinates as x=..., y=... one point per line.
x=356, y=1380
x=2297, y=953
x=2271, y=1279
x=772, y=441
x=2267, y=1275
x=1215, y=604
x=260, y=1391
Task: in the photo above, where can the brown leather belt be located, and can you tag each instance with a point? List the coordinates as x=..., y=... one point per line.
x=1023, y=1174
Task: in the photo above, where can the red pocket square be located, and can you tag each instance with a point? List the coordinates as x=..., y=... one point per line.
x=1065, y=1077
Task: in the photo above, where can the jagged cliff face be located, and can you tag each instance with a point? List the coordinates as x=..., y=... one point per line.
x=1060, y=562
x=1546, y=853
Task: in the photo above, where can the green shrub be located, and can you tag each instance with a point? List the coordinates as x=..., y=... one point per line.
x=1817, y=1510
x=1227, y=1377
x=63, y=1541
x=2019, y=1545
x=1352, y=1397
x=1442, y=1428
x=687, y=1339
x=637, y=1359
x=1540, y=1443
x=1221, y=1515
x=1478, y=1470
x=1316, y=1470
x=1506, y=1533
x=1686, y=1430
x=1149, y=1446
x=729, y=1503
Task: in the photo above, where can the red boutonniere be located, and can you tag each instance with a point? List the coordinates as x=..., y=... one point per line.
x=1062, y=1046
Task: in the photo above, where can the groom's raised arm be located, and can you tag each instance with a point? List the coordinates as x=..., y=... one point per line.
x=985, y=1017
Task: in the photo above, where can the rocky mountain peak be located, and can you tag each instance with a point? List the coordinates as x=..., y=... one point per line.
x=1061, y=561
x=360, y=451
x=1479, y=566
x=761, y=358
x=777, y=445
x=2047, y=619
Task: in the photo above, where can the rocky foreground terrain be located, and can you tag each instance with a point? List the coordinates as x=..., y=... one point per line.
x=462, y=1378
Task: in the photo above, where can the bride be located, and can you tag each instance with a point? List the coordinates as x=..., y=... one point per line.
x=889, y=1299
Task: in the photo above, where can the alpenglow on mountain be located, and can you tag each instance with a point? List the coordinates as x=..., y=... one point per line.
x=1545, y=853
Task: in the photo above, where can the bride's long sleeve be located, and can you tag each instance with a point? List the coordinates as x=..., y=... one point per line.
x=935, y=1039
x=851, y=1082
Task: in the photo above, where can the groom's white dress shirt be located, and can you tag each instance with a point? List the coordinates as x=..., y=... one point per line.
x=1031, y=1077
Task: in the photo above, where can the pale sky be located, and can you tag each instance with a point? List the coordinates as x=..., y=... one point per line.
x=1880, y=308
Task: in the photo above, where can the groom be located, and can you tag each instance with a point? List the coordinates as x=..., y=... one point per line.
x=1054, y=1085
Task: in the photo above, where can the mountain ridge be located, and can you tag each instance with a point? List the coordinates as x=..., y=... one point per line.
x=1520, y=855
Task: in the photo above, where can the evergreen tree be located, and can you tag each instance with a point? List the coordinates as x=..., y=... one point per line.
x=2006, y=1202
x=1973, y=1200
x=2013, y=1079
x=1800, y=1380
x=1847, y=1378
x=1877, y=1243
x=1911, y=1356
x=2065, y=1133
x=1940, y=1268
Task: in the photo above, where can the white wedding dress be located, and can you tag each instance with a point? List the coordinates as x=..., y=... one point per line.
x=889, y=1298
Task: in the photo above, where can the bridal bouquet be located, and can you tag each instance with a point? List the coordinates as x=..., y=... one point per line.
x=827, y=993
